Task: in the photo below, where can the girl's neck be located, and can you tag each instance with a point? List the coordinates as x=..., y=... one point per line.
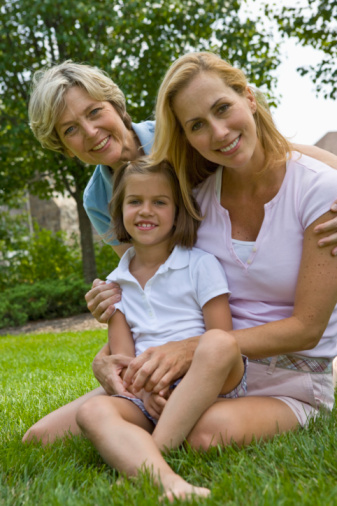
x=147, y=261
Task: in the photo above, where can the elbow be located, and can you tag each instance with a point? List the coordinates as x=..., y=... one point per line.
x=312, y=335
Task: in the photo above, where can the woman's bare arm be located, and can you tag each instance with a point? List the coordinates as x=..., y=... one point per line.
x=316, y=297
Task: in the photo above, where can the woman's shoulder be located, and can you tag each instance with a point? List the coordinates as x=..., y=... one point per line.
x=145, y=134
x=310, y=166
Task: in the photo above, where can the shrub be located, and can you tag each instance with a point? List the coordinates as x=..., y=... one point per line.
x=106, y=259
x=52, y=298
x=44, y=255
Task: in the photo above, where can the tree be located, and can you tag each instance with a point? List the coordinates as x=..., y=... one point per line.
x=134, y=41
x=313, y=23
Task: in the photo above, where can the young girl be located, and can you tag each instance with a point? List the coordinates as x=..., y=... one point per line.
x=170, y=292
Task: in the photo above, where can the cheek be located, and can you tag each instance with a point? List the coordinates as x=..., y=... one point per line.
x=198, y=142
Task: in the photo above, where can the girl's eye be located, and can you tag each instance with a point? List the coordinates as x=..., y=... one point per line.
x=159, y=202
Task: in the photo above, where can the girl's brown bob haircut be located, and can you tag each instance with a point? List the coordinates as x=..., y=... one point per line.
x=184, y=232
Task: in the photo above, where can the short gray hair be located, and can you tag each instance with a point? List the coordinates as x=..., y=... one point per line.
x=47, y=103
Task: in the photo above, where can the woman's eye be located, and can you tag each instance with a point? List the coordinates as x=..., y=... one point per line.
x=95, y=111
x=196, y=126
x=69, y=130
x=223, y=108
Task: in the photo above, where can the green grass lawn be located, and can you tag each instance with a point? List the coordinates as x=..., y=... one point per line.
x=42, y=372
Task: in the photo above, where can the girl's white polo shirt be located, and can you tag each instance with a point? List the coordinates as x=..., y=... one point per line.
x=169, y=308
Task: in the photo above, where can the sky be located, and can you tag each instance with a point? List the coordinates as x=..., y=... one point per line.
x=302, y=116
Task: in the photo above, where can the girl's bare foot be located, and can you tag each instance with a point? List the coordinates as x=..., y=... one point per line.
x=177, y=488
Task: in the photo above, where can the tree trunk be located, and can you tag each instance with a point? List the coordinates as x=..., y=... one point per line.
x=87, y=243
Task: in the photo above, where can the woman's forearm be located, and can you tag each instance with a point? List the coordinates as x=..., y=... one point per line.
x=280, y=337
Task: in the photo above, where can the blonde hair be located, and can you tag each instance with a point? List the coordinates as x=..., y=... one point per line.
x=170, y=141
x=184, y=232
x=47, y=102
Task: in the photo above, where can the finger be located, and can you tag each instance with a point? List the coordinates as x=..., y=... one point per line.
x=160, y=403
x=99, y=287
x=140, y=368
x=331, y=240
x=153, y=412
x=102, y=310
x=328, y=226
x=163, y=385
x=151, y=384
x=116, y=386
x=146, y=378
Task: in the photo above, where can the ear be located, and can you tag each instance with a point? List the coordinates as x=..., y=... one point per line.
x=251, y=99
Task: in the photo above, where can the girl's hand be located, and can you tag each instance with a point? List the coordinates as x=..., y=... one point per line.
x=325, y=228
x=154, y=403
x=101, y=299
x=158, y=367
x=108, y=369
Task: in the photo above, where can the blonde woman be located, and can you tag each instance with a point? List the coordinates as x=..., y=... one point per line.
x=261, y=203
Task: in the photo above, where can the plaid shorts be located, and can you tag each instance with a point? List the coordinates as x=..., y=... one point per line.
x=299, y=363
x=239, y=391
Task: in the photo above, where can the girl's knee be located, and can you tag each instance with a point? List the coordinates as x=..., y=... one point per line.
x=90, y=411
x=216, y=344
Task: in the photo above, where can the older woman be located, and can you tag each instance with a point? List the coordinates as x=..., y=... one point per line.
x=78, y=111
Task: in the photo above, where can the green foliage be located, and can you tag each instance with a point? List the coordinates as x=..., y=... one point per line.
x=48, y=256
x=313, y=23
x=50, y=298
x=106, y=259
x=40, y=373
x=134, y=41
x=41, y=256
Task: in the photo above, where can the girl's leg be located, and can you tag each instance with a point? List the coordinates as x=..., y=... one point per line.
x=121, y=434
x=217, y=367
x=241, y=420
x=60, y=422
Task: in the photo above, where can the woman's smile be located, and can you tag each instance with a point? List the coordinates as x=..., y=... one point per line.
x=93, y=131
x=218, y=122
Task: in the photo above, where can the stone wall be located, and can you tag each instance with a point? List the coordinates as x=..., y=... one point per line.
x=58, y=213
x=328, y=142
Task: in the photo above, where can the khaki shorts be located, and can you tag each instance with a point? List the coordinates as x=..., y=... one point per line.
x=304, y=392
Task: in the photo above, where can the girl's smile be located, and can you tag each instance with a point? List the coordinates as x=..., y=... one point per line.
x=149, y=209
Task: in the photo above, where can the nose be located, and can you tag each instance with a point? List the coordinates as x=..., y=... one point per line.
x=89, y=129
x=219, y=130
x=146, y=208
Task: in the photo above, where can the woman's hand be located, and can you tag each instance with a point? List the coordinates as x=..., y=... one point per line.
x=325, y=228
x=101, y=299
x=108, y=369
x=158, y=367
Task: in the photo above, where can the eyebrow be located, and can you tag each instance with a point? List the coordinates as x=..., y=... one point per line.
x=85, y=111
x=154, y=196
x=212, y=107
